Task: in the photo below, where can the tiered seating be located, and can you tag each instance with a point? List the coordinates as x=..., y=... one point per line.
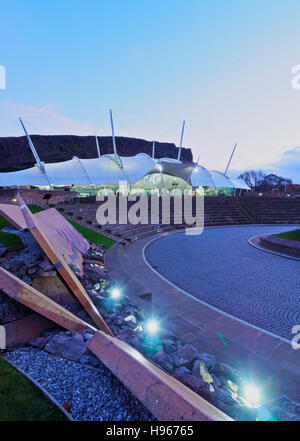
x=273, y=210
x=218, y=211
x=85, y=214
x=223, y=211
x=7, y=200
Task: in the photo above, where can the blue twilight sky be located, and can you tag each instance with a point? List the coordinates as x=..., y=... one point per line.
x=223, y=65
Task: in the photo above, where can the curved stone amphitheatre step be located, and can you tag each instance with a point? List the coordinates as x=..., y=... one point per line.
x=289, y=248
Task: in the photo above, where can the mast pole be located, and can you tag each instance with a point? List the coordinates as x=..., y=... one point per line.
x=34, y=152
x=230, y=159
x=153, y=149
x=181, y=139
x=113, y=132
x=98, y=148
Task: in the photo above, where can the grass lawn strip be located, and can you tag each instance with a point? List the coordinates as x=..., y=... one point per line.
x=290, y=235
x=10, y=240
x=20, y=400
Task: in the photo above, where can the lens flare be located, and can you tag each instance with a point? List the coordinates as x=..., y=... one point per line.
x=252, y=395
x=115, y=293
x=152, y=326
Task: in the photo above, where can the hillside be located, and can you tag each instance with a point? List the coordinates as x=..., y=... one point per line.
x=15, y=153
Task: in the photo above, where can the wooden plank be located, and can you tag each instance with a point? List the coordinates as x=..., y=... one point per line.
x=38, y=302
x=61, y=266
x=63, y=236
x=25, y=329
x=51, y=220
x=163, y=395
x=13, y=214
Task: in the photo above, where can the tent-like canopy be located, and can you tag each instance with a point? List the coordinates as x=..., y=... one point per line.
x=222, y=180
x=106, y=170
x=111, y=169
x=197, y=175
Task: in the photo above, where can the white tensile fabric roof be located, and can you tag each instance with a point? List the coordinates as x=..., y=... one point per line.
x=221, y=180
x=197, y=175
x=239, y=183
x=106, y=170
x=30, y=176
x=111, y=169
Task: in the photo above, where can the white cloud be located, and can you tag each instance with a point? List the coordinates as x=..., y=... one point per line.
x=287, y=166
x=42, y=120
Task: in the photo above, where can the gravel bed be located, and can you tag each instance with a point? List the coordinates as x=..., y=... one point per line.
x=95, y=394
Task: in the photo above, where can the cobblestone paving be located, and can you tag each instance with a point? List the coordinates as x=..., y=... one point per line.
x=220, y=267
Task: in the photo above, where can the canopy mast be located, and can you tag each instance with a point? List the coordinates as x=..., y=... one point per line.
x=97, y=144
x=230, y=159
x=181, y=139
x=113, y=132
x=153, y=149
x=34, y=152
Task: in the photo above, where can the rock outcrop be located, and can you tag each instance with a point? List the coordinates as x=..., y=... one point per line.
x=15, y=153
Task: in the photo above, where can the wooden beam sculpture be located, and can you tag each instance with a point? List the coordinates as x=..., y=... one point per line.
x=38, y=302
x=61, y=266
x=51, y=220
x=163, y=395
x=23, y=330
x=63, y=236
x=14, y=215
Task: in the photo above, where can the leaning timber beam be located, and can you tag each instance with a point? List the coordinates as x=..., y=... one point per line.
x=13, y=214
x=61, y=266
x=22, y=330
x=164, y=396
x=38, y=302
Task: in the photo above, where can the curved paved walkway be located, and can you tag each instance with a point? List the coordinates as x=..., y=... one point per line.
x=220, y=268
x=259, y=355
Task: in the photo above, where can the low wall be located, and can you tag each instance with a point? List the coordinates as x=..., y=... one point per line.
x=273, y=243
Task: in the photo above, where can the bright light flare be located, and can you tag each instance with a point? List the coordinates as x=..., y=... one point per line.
x=115, y=293
x=252, y=395
x=152, y=326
